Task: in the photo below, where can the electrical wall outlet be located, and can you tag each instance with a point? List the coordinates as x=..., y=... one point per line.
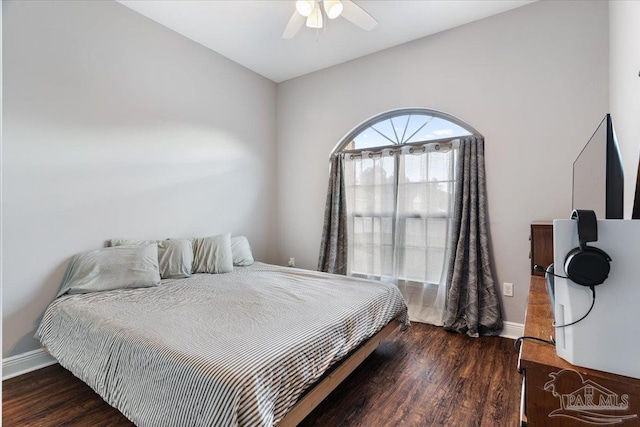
x=292, y=262
x=507, y=289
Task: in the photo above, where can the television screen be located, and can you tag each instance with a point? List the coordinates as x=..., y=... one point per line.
x=598, y=180
x=635, y=214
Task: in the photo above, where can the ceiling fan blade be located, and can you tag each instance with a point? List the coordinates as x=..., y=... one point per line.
x=294, y=25
x=357, y=15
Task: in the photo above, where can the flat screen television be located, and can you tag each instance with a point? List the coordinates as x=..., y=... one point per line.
x=635, y=214
x=598, y=177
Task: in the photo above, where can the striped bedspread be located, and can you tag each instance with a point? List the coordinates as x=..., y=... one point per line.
x=216, y=349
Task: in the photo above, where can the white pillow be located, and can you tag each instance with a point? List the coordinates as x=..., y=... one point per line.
x=212, y=254
x=175, y=256
x=241, y=251
x=112, y=268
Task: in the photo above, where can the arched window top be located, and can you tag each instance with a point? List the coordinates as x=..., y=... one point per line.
x=404, y=126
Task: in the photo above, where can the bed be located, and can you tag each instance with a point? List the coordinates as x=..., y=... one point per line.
x=235, y=349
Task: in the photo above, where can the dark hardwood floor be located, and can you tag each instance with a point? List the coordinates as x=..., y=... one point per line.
x=422, y=377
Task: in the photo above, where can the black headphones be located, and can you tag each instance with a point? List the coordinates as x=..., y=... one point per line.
x=587, y=265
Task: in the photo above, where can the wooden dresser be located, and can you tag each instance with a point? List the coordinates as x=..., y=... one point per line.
x=556, y=393
x=541, y=245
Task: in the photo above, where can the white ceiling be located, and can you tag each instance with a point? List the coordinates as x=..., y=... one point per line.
x=249, y=31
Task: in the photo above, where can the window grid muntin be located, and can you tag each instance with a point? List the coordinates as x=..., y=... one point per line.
x=387, y=128
x=433, y=254
x=348, y=145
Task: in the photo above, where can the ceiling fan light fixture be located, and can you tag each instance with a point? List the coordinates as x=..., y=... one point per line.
x=305, y=7
x=314, y=20
x=311, y=12
x=333, y=8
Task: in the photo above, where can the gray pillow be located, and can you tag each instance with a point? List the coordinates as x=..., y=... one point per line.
x=241, y=251
x=129, y=242
x=212, y=254
x=112, y=268
x=175, y=256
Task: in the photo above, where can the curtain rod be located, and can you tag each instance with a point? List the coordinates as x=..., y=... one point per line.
x=445, y=143
x=397, y=146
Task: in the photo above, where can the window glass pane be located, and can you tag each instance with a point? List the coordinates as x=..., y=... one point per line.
x=385, y=127
x=376, y=170
x=426, y=198
x=439, y=166
x=434, y=265
x=414, y=234
x=414, y=197
x=399, y=124
x=368, y=138
x=439, y=198
x=372, y=245
x=373, y=200
x=413, y=264
x=414, y=168
x=421, y=265
x=437, y=229
x=359, y=231
x=421, y=254
x=424, y=232
x=437, y=129
x=358, y=263
x=374, y=186
x=387, y=230
x=416, y=121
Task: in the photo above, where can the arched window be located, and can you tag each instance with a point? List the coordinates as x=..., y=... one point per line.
x=399, y=174
x=404, y=126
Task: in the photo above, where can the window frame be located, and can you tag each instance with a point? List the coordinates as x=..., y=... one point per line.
x=369, y=123
x=339, y=148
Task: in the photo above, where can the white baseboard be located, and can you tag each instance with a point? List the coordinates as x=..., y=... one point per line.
x=512, y=330
x=25, y=362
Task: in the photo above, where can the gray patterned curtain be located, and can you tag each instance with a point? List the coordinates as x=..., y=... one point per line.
x=472, y=304
x=333, y=248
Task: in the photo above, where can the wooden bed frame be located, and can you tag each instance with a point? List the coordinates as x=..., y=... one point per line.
x=321, y=390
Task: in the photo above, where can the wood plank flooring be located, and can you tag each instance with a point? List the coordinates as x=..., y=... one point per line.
x=422, y=377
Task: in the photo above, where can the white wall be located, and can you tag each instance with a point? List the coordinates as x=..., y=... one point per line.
x=624, y=84
x=115, y=126
x=533, y=81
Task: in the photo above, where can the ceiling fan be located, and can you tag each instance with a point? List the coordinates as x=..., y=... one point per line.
x=312, y=12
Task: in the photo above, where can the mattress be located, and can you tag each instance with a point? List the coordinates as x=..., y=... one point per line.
x=234, y=349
